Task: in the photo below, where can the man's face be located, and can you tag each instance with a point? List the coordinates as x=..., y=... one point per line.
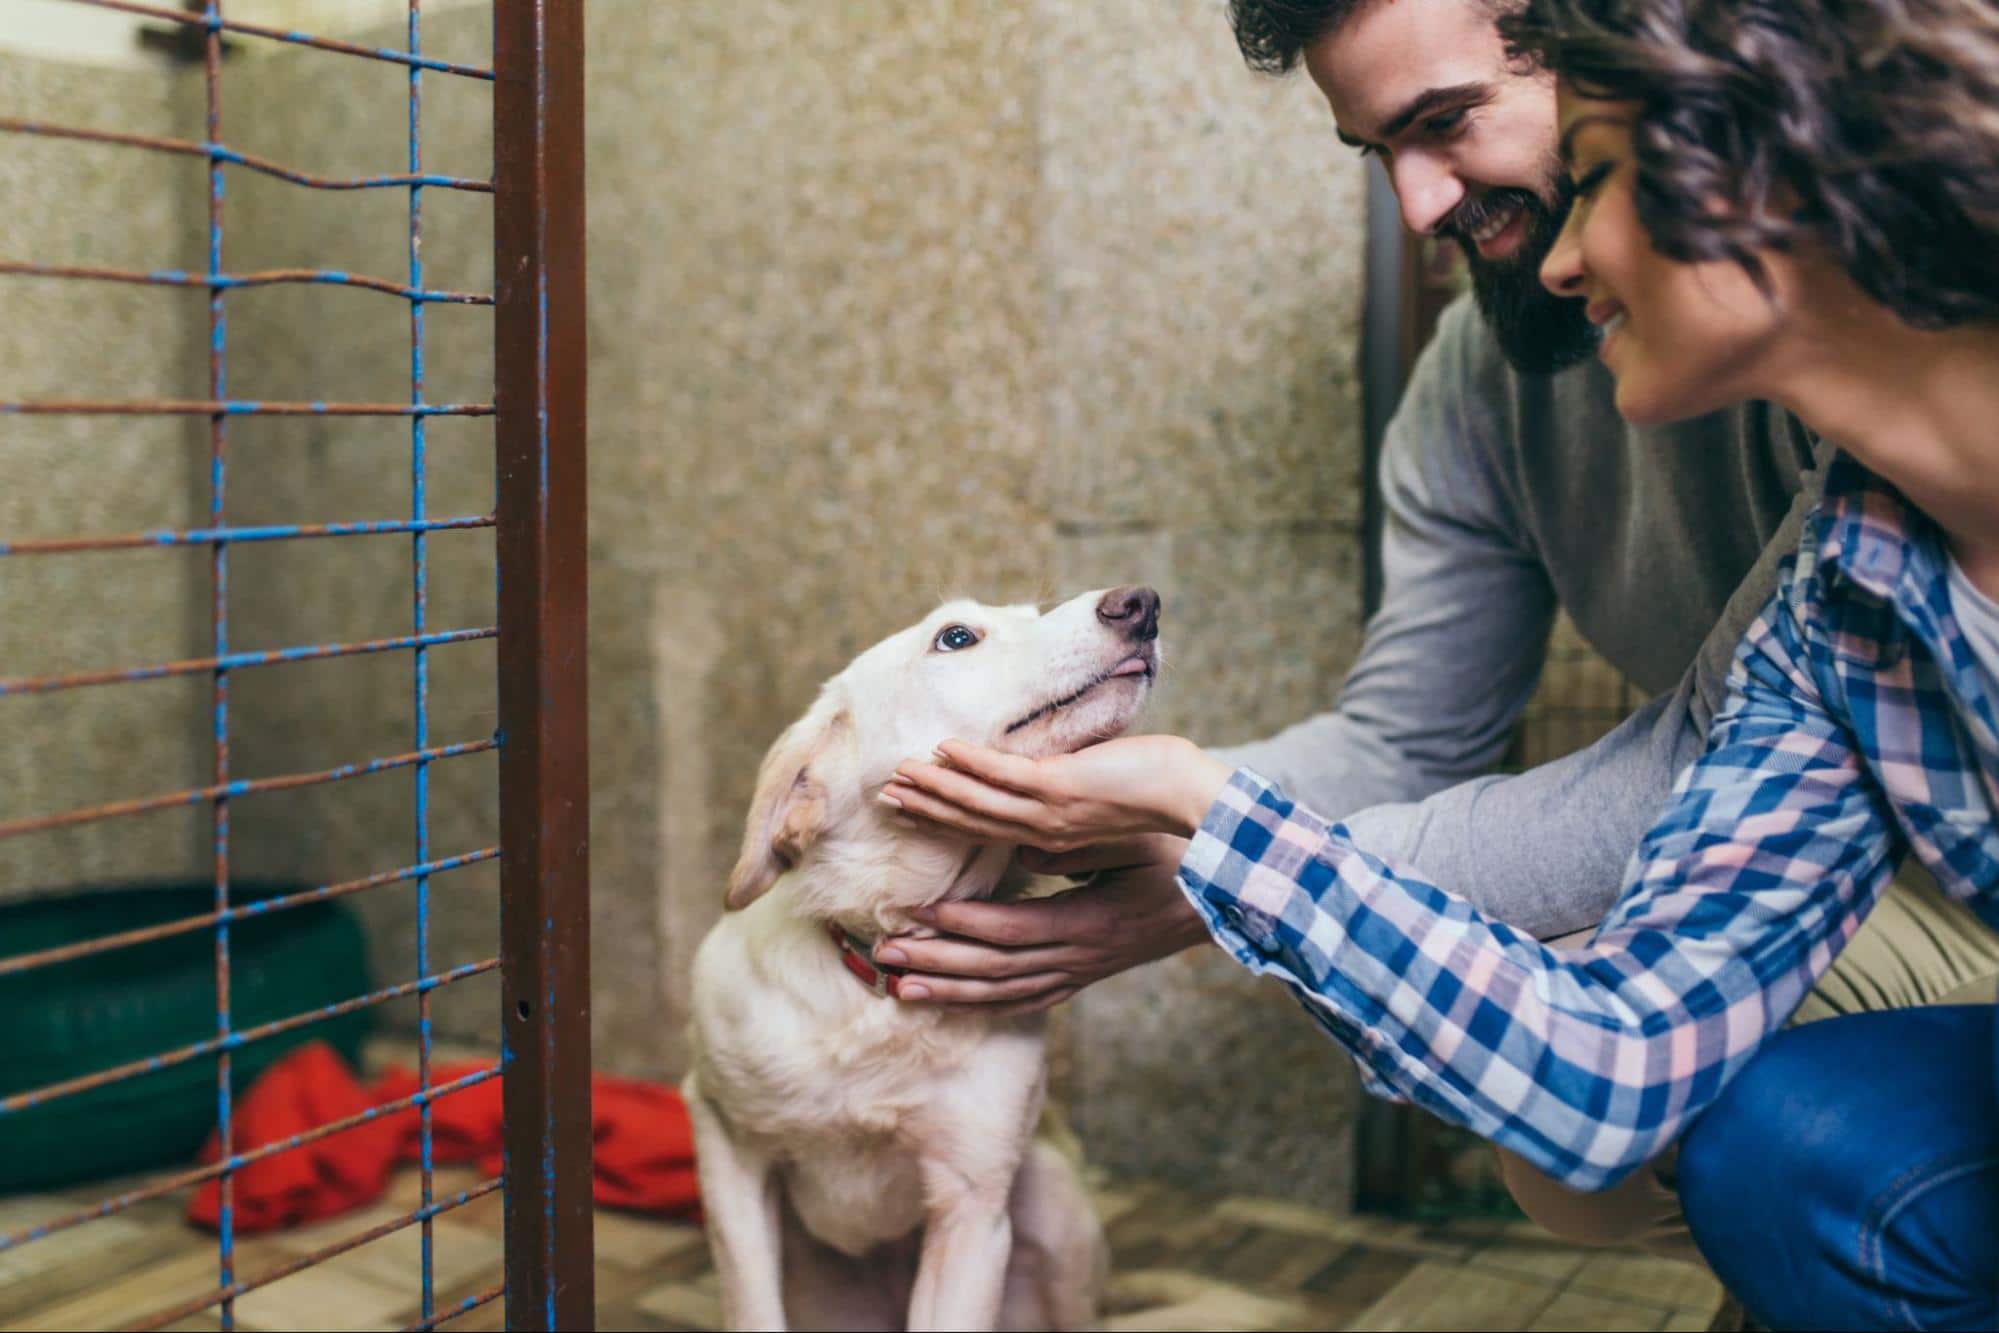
x=1470, y=145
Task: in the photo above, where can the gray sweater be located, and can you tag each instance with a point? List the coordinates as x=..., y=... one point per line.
x=1506, y=495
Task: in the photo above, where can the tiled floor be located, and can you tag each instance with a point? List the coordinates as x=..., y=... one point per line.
x=1180, y=1263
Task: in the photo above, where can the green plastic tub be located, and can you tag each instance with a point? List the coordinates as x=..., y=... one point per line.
x=91, y=1014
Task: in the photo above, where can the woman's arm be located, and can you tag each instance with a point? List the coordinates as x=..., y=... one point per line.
x=1589, y=1063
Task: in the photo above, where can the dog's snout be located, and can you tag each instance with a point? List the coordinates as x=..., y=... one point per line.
x=1133, y=612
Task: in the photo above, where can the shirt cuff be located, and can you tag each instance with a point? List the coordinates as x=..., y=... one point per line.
x=1249, y=872
x=1257, y=868
x=1214, y=868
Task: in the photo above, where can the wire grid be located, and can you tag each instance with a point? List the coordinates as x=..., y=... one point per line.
x=219, y=537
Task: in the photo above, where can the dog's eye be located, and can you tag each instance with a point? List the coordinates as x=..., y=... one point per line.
x=952, y=638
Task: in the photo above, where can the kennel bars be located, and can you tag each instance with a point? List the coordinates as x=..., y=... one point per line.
x=538, y=406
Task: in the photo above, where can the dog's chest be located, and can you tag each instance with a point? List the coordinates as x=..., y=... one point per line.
x=844, y=1086
x=857, y=1194
x=849, y=1126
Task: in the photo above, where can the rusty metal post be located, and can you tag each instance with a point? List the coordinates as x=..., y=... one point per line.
x=544, y=756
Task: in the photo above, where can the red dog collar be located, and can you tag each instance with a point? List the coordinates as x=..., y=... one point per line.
x=855, y=955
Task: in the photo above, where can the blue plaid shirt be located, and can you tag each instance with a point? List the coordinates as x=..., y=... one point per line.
x=1859, y=727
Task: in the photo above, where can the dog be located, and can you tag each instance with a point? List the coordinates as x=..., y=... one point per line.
x=866, y=1163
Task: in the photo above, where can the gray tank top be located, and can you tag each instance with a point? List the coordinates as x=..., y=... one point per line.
x=1978, y=616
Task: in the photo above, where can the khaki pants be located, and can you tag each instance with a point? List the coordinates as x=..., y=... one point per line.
x=1917, y=947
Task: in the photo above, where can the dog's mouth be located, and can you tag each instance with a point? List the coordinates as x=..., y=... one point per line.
x=1142, y=662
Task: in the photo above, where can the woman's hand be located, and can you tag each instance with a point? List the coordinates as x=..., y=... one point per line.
x=1117, y=790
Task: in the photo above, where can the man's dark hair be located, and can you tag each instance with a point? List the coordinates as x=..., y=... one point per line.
x=1868, y=127
x=1273, y=35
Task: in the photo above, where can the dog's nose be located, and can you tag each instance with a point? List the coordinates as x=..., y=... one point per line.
x=1134, y=612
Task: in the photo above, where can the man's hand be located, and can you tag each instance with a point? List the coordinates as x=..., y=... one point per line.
x=1018, y=958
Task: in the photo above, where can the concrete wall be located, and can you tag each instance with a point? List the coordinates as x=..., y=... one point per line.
x=889, y=301
x=67, y=203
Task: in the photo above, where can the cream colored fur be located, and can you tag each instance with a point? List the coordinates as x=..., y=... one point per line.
x=867, y=1163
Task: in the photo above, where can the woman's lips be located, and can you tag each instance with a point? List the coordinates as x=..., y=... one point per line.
x=1609, y=317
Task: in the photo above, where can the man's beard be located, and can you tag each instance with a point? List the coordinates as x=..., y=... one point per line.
x=1538, y=332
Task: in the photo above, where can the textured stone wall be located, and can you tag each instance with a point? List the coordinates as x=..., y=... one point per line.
x=889, y=301
x=65, y=203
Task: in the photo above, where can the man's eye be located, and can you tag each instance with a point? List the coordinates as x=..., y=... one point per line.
x=1444, y=126
x=953, y=638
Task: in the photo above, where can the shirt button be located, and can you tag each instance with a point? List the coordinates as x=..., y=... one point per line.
x=1233, y=915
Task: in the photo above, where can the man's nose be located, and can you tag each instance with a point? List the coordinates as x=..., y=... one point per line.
x=1426, y=188
x=1133, y=611
x=1562, y=270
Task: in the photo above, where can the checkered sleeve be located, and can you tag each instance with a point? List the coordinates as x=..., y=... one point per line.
x=1585, y=1062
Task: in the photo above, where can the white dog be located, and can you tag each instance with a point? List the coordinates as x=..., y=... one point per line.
x=866, y=1163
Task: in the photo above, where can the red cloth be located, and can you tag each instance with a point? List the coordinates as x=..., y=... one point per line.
x=642, y=1140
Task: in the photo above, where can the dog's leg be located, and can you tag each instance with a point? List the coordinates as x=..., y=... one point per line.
x=739, y=1193
x=1060, y=1262
x=967, y=1238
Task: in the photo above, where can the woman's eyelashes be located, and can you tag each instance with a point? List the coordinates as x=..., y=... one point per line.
x=1585, y=184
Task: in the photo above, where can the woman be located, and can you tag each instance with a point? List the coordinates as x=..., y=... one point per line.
x=1789, y=201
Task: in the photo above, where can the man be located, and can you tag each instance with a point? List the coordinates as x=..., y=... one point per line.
x=1511, y=486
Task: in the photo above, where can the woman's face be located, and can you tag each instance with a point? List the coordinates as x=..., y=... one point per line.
x=1681, y=338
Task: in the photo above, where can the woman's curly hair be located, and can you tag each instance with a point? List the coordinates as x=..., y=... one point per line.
x=1868, y=127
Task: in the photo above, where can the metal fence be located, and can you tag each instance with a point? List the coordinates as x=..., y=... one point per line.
x=538, y=411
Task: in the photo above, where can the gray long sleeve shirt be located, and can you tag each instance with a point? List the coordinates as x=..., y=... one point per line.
x=1506, y=495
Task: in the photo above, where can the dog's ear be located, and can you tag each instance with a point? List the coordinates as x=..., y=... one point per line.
x=790, y=805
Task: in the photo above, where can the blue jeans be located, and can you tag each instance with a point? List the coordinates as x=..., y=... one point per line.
x=1849, y=1177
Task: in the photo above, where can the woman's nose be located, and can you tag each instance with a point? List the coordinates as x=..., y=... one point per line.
x=1562, y=270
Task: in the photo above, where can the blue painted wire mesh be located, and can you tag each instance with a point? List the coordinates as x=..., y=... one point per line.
x=225, y=659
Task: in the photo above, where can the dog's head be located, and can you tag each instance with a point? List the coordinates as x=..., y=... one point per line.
x=1007, y=677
